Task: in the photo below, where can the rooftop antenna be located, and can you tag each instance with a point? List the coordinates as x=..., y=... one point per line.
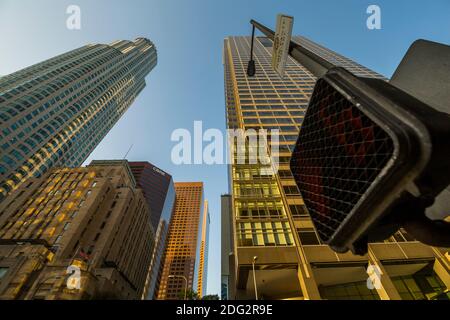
x=125, y=156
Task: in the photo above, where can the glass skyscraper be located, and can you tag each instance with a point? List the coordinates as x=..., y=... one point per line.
x=159, y=191
x=270, y=229
x=56, y=112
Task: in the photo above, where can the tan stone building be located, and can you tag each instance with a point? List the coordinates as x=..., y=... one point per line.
x=81, y=233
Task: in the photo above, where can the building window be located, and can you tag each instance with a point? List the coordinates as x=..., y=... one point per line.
x=298, y=210
x=266, y=42
x=264, y=234
x=290, y=190
x=285, y=174
x=58, y=239
x=348, y=291
x=308, y=237
x=422, y=285
x=3, y=272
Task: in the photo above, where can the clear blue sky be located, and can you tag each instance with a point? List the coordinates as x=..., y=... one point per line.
x=187, y=84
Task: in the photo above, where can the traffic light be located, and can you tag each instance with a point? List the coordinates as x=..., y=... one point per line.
x=369, y=159
x=373, y=156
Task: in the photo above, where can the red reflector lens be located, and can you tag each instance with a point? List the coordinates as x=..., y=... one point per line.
x=339, y=153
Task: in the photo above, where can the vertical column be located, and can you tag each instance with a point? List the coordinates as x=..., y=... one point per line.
x=307, y=282
x=384, y=286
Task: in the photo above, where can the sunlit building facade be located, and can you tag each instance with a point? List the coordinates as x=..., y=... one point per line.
x=202, y=255
x=181, y=266
x=56, y=112
x=76, y=233
x=270, y=228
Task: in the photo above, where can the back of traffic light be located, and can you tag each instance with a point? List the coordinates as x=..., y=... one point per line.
x=371, y=158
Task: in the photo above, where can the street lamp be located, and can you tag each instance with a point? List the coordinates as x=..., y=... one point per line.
x=172, y=276
x=254, y=276
x=251, y=68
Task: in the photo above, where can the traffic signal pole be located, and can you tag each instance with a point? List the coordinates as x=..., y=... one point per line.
x=424, y=74
x=317, y=65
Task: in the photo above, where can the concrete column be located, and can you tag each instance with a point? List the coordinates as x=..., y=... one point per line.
x=442, y=266
x=307, y=282
x=385, y=287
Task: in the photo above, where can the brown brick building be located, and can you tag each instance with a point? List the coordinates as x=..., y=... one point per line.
x=183, y=263
x=92, y=220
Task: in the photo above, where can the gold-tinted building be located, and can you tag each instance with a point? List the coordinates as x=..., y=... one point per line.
x=270, y=227
x=184, y=264
x=88, y=228
x=204, y=248
x=54, y=113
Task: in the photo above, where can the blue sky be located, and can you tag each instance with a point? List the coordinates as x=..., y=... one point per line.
x=187, y=84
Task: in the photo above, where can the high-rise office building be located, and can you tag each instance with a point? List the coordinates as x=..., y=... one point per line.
x=202, y=255
x=273, y=232
x=159, y=191
x=56, y=112
x=86, y=226
x=181, y=264
x=157, y=186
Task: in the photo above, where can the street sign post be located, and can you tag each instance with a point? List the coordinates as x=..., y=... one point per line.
x=281, y=43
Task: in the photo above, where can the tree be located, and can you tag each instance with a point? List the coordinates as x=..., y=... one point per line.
x=190, y=295
x=211, y=297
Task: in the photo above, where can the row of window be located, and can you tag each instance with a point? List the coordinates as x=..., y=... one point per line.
x=264, y=234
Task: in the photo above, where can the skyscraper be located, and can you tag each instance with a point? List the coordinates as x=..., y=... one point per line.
x=181, y=264
x=273, y=232
x=159, y=191
x=56, y=112
x=227, y=283
x=92, y=219
x=202, y=255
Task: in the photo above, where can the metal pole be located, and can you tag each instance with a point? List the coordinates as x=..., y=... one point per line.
x=251, y=67
x=251, y=46
x=185, y=282
x=254, y=276
x=317, y=65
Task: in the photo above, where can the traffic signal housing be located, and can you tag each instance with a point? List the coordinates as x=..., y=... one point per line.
x=370, y=158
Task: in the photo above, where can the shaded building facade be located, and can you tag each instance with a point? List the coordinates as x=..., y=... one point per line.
x=181, y=262
x=88, y=225
x=268, y=218
x=155, y=184
x=159, y=191
x=54, y=113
